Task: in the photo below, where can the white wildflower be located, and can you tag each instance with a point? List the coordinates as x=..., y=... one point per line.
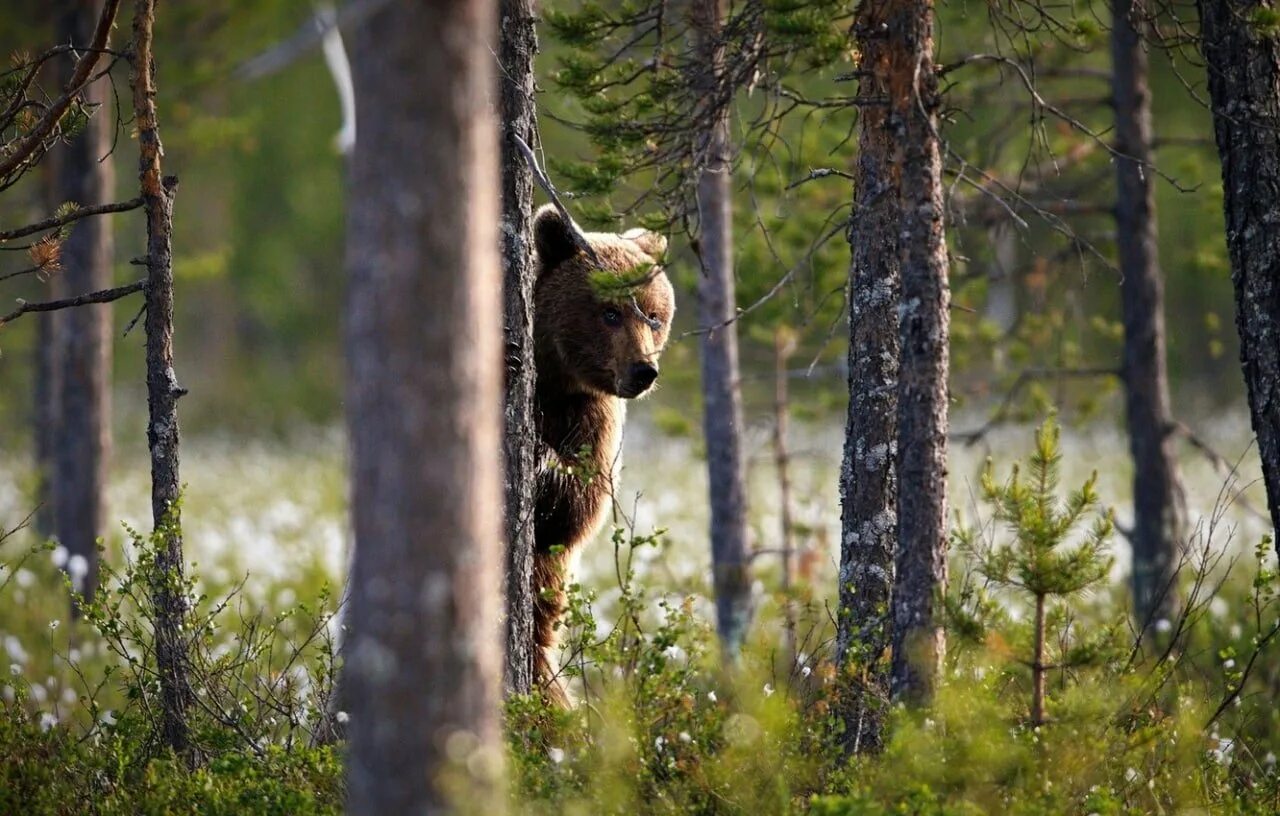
x=659, y=742
x=685, y=738
x=15, y=669
x=14, y=647
x=806, y=671
x=711, y=695
x=1131, y=775
x=342, y=717
x=24, y=577
x=1219, y=608
x=1222, y=752
x=768, y=689
x=556, y=755
x=47, y=720
x=78, y=569
x=53, y=624
x=39, y=693
x=1270, y=759
x=1229, y=663
x=1164, y=626
x=59, y=556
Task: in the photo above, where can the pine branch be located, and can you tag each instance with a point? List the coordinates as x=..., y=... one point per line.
x=73, y=216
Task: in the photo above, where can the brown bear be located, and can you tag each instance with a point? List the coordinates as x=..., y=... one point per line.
x=598, y=332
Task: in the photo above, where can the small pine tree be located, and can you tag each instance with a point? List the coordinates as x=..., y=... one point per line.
x=1040, y=563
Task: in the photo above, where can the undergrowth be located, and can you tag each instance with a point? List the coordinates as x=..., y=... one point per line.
x=1178, y=716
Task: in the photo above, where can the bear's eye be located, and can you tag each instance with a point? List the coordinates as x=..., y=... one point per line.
x=612, y=316
x=653, y=318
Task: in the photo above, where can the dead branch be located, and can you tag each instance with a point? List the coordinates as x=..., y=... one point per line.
x=82, y=75
x=544, y=182
x=56, y=221
x=101, y=296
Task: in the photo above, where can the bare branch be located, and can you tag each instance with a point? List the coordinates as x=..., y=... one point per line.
x=544, y=182
x=83, y=75
x=101, y=296
x=75, y=215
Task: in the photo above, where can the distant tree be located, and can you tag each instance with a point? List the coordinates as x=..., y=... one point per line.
x=717, y=310
x=923, y=338
x=1159, y=524
x=81, y=426
x=517, y=44
x=868, y=493
x=1241, y=44
x=424, y=666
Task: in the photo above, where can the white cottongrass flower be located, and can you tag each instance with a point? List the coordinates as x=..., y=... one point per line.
x=768, y=689
x=53, y=624
x=1131, y=775
x=1221, y=753
x=342, y=717
x=556, y=755
x=711, y=695
x=1164, y=626
x=806, y=671
x=659, y=742
x=78, y=569
x=59, y=556
x=1229, y=663
x=15, y=669
x=24, y=577
x=14, y=647
x=685, y=738
x=47, y=720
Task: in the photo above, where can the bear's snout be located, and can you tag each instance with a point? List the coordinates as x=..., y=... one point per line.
x=639, y=378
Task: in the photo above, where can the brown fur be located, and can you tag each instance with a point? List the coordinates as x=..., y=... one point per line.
x=584, y=363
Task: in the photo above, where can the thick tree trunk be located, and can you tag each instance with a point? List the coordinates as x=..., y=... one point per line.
x=83, y=438
x=1157, y=491
x=1243, y=62
x=517, y=44
x=721, y=386
x=424, y=666
x=784, y=347
x=921, y=576
x=169, y=590
x=868, y=497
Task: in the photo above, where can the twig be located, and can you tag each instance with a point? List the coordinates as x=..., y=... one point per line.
x=101, y=296
x=539, y=176
x=1025, y=377
x=74, y=215
x=82, y=75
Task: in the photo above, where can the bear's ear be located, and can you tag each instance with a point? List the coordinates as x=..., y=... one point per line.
x=552, y=237
x=653, y=244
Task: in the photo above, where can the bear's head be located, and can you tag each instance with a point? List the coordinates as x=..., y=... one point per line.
x=599, y=328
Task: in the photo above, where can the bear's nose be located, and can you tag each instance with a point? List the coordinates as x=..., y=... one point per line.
x=642, y=376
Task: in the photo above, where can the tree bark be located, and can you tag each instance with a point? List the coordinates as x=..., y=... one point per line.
x=721, y=386
x=517, y=44
x=1157, y=490
x=923, y=331
x=83, y=438
x=424, y=666
x=784, y=347
x=1243, y=62
x=868, y=491
x=169, y=589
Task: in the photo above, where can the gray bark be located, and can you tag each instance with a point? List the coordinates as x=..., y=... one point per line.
x=868, y=492
x=918, y=638
x=1158, y=515
x=721, y=387
x=82, y=440
x=168, y=590
x=517, y=44
x=1243, y=63
x=424, y=667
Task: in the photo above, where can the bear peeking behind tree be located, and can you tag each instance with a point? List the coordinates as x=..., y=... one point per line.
x=598, y=331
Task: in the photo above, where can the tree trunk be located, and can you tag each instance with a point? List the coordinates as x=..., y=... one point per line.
x=1157, y=490
x=784, y=347
x=47, y=390
x=1243, y=61
x=868, y=496
x=721, y=386
x=169, y=589
x=424, y=666
x=83, y=438
x=918, y=637
x=517, y=44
